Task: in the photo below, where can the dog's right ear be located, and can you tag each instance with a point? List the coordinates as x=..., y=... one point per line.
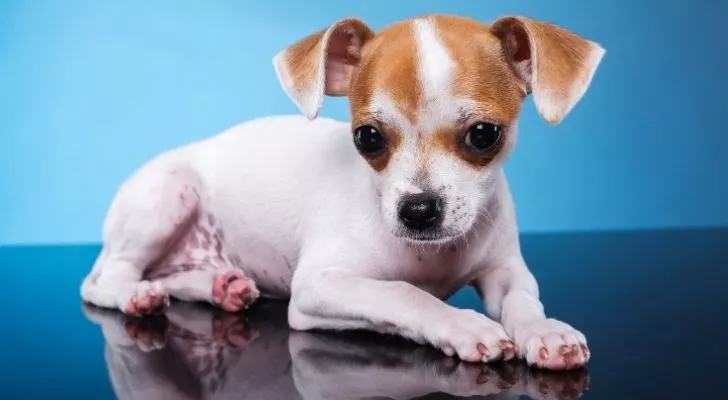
x=321, y=64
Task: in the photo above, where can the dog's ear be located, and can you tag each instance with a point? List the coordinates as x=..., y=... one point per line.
x=554, y=64
x=321, y=64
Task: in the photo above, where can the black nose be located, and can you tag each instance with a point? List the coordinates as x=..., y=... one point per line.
x=420, y=211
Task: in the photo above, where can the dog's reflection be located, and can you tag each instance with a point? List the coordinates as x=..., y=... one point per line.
x=195, y=352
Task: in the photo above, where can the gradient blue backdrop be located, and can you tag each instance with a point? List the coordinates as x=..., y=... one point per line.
x=91, y=89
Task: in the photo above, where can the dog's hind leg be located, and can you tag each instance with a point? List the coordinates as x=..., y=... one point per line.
x=148, y=216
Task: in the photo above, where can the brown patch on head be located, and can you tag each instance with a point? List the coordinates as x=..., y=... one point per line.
x=388, y=63
x=482, y=75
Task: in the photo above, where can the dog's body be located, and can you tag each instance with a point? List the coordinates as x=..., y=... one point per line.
x=372, y=235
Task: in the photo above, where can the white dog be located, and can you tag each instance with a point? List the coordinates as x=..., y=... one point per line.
x=368, y=224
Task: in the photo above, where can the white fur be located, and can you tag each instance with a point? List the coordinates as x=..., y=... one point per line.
x=311, y=220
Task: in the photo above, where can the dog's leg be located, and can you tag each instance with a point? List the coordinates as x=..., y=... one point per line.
x=326, y=295
x=511, y=294
x=146, y=219
x=228, y=289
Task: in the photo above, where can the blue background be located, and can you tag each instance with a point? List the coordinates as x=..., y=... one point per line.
x=91, y=89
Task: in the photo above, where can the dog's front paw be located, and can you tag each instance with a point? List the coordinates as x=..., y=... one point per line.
x=474, y=337
x=552, y=344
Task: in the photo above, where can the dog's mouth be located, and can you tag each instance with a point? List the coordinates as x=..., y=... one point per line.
x=436, y=237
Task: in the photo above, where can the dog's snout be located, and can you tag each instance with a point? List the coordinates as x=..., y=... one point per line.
x=421, y=211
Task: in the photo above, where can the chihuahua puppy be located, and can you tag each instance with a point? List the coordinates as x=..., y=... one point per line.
x=368, y=224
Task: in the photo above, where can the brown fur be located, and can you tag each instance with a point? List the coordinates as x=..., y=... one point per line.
x=482, y=74
x=389, y=61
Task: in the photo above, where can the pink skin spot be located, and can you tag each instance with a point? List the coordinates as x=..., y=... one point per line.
x=206, y=246
x=233, y=291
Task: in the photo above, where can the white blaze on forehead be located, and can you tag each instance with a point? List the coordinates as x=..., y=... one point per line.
x=435, y=66
x=436, y=71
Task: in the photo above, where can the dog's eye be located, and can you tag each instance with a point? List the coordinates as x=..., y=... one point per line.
x=368, y=140
x=482, y=136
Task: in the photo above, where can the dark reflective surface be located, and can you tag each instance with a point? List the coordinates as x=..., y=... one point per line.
x=652, y=305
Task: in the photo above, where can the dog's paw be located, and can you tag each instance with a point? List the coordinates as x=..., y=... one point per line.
x=474, y=337
x=233, y=291
x=148, y=298
x=552, y=344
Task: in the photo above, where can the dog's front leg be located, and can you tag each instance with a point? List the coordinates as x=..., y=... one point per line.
x=511, y=295
x=333, y=297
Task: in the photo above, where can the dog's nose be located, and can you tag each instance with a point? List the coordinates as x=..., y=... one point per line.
x=420, y=211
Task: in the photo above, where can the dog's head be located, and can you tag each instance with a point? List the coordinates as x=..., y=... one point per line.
x=434, y=102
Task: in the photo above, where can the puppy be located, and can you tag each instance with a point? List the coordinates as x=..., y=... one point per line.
x=368, y=224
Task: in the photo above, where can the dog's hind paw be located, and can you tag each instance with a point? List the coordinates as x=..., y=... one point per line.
x=233, y=291
x=147, y=299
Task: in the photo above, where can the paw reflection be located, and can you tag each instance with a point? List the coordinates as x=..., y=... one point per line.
x=329, y=365
x=194, y=351
x=542, y=384
x=148, y=333
x=231, y=330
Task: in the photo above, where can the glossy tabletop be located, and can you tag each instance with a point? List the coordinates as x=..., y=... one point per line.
x=652, y=305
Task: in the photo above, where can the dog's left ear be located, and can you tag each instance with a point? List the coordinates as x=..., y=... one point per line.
x=321, y=64
x=554, y=64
